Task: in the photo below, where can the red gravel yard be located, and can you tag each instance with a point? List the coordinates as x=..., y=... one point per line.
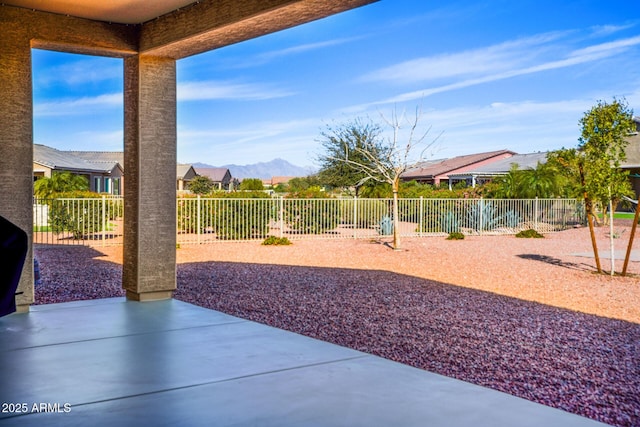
x=525, y=316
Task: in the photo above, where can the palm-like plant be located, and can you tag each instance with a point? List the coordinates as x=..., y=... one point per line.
x=46, y=188
x=542, y=182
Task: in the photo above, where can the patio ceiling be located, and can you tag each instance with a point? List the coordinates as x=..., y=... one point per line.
x=162, y=28
x=117, y=11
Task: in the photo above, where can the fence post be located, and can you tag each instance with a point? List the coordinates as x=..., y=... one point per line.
x=481, y=216
x=198, y=210
x=421, y=222
x=355, y=216
x=104, y=218
x=535, y=214
x=281, y=216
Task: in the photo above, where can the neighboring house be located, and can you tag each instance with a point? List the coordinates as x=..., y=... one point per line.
x=632, y=164
x=104, y=176
x=487, y=172
x=221, y=177
x=277, y=180
x=185, y=174
x=436, y=171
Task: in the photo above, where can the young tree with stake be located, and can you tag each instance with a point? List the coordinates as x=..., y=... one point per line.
x=385, y=159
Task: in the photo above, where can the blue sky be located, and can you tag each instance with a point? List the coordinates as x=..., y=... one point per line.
x=488, y=75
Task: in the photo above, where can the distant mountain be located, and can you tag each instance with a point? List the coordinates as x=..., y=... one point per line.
x=263, y=170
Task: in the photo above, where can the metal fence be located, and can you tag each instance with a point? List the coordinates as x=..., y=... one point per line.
x=66, y=221
x=204, y=220
x=207, y=220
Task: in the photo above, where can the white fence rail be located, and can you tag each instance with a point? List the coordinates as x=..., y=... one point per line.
x=206, y=220
x=94, y=221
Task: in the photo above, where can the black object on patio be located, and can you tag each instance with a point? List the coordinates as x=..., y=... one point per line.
x=13, y=251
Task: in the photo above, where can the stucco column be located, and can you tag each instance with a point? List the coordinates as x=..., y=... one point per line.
x=149, y=270
x=16, y=142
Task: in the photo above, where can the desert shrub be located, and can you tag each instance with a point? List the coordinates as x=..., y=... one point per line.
x=511, y=219
x=449, y=222
x=232, y=216
x=368, y=212
x=529, y=233
x=187, y=215
x=311, y=211
x=484, y=216
x=277, y=241
x=81, y=217
x=246, y=217
x=455, y=236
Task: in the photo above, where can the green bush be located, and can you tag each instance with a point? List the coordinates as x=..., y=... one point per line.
x=530, y=233
x=229, y=219
x=243, y=219
x=449, y=223
x=187, y=215
x=277, y=241
x=81, y=217
x=308, y=215
x=455, y=236
x=368, y=212
x=251, y=184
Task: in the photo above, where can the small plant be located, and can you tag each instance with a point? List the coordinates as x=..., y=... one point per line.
x=455, y=235
x=273, y=240
x=449, y=222
x=530, y=233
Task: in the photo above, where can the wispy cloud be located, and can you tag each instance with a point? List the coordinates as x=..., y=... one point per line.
x=506, y=66
x=303, y=48
x=606, y=30
x=78, y=106
x=88, y=70
x=490, y=59
x=276, y=54
x=219, y=90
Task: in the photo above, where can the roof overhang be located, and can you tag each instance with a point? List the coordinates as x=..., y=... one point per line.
x=166, y=28
x=116, y=11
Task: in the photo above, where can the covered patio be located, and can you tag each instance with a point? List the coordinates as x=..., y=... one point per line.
x=148, y=359
x=117, y=362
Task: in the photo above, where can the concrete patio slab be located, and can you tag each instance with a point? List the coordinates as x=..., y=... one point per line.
x=116, y=362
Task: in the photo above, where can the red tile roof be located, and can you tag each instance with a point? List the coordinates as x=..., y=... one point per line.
x=433, y=168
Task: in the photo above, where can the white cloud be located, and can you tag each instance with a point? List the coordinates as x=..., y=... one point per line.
x=606, y=30
x=490, y=59
x=78, y=106
x=272, y=55
x=83, y=71
x=217, y=90
x=294, y=50
x=572, y=58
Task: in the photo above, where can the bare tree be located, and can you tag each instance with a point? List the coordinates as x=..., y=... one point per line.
x=387, y=158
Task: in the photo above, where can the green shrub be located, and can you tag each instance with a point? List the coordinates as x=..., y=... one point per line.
x=530, y=233
x=277, y=241
x=449, y=223
x=81, y=217
x=368, y=212
x=229, y=219
x=455, y=236
x=308, y=215
x=242, y=219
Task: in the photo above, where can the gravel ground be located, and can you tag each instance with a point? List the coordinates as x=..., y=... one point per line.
x=524, y=316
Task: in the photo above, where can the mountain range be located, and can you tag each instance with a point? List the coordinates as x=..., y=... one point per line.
x=263, y=170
